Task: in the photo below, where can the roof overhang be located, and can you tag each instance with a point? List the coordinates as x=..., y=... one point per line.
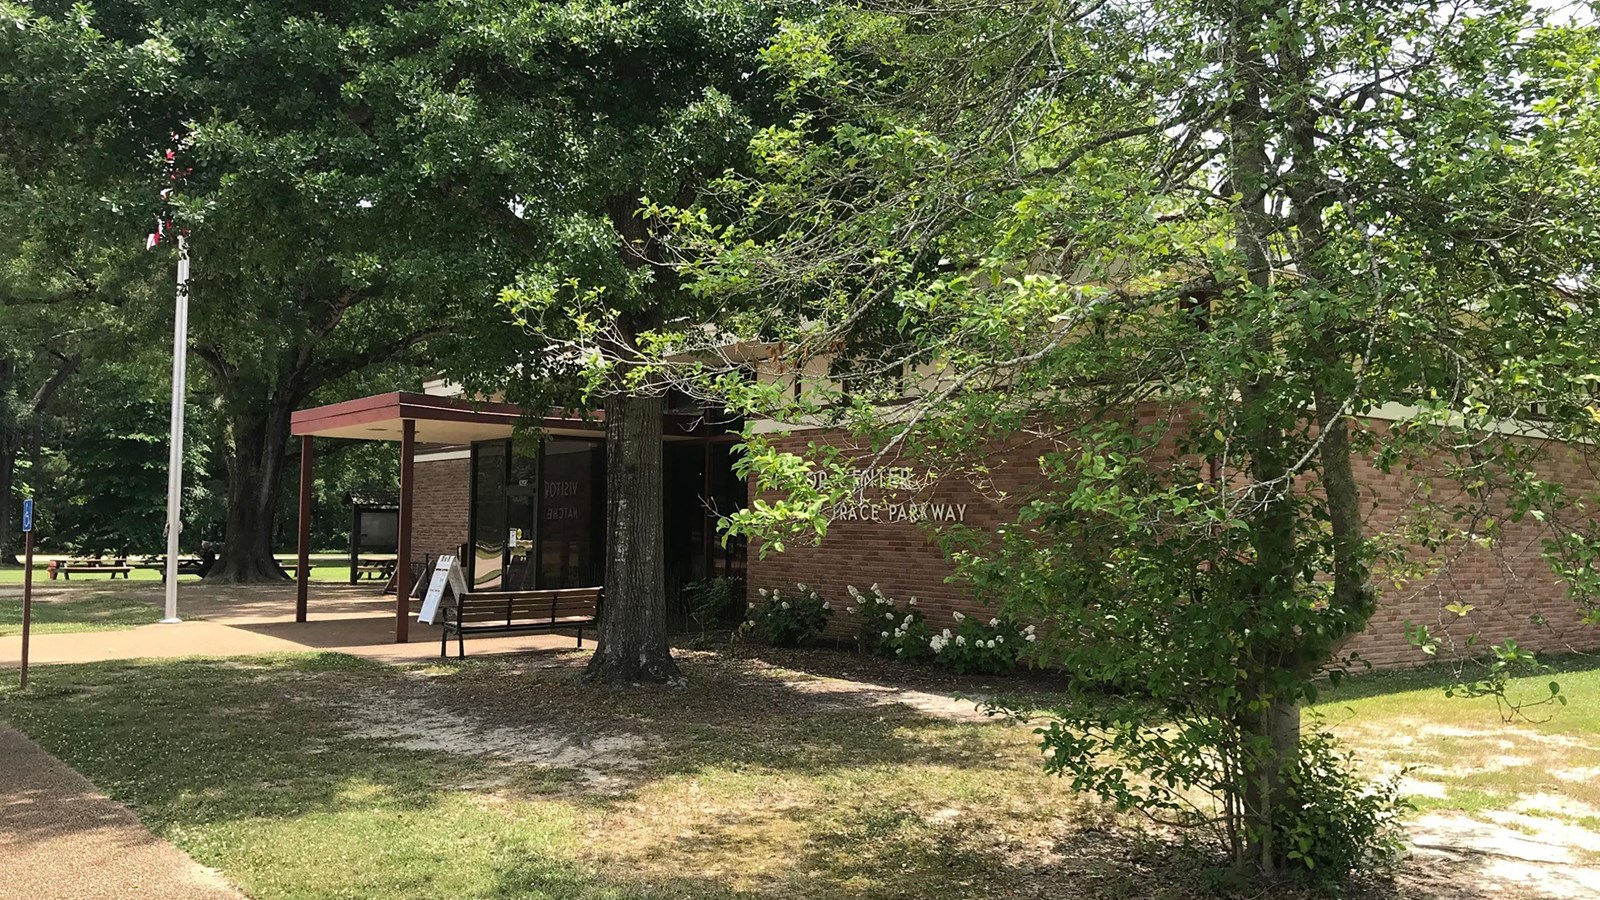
x=440, y=420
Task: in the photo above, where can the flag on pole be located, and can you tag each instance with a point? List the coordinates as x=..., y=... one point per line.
x=174, y=175
x=180, y=345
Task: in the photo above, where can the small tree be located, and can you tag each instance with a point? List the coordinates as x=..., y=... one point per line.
x=1174, y=251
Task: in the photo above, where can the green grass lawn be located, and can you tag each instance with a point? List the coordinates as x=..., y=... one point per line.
x=93, y=611
x=322, y=776
x=1476, y=756
x=326, y=567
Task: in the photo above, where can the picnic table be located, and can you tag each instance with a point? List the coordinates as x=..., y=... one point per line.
x=187, y=565
x=372, y=568
x=90, y=566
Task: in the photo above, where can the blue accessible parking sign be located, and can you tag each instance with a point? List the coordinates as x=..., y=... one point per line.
x=27, y=515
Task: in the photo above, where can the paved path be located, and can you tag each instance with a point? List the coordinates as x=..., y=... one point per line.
x=61, y=839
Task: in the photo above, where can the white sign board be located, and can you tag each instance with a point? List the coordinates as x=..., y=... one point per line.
x=446, y=573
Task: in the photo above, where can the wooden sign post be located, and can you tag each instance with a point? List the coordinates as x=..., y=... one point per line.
x=27, y=586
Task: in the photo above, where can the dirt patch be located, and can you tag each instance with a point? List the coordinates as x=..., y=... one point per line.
x=840, y=692
x=1530, y=855
x=414, y=724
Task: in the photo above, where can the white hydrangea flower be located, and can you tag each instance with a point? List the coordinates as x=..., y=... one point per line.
x=827, y=605
x=752, y=604
x=763, y=592
x=785, y=604
x=850, y=609
x=1029, y=629
x=1030, y=637
x=853, y=592
x=889, y=616
x=999, y=639
x=961, y=640
x=907, y=619
x=945, y=633
x=875, y=588
x=885, y=635
x=994, y=623
x=956, y=614
x=802, y=587
x=912, y=602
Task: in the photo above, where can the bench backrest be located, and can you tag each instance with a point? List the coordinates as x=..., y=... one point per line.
x=509, y=606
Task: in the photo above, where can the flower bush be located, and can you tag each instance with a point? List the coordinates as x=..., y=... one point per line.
x=982, y=649
x=787, y=620
x=888, y=630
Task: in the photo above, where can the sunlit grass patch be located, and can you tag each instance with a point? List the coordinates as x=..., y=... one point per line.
x=1474, y=756
x=100, y=609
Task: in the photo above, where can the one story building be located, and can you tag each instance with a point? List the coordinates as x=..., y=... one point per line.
x=529, y=513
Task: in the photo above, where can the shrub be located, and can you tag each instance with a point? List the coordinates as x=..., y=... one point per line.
x=1336, y=821
x=981, y=649
x=713, y=601
x=887, y=630
x=787, y=621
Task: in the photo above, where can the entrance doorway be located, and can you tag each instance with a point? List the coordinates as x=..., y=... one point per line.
x=537, y=521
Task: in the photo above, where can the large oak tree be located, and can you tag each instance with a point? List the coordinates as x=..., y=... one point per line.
x=324, y=241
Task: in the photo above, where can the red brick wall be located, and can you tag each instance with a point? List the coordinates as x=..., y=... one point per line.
x=1507, y=585
x=896, y=555
x=443, y=495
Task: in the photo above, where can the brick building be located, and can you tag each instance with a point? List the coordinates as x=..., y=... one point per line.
x=526, y=517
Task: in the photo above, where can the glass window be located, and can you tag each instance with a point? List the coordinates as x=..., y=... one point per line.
x=489, y=513
x=571, y=513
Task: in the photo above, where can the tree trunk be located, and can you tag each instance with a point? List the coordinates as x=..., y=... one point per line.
x=8, y=467
x=8, y=506
x=1273, y=733
x=632, y=645
x=256, y=456
x=12, y=439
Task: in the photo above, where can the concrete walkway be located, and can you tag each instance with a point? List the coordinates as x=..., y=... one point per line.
x=61, y=839
x=244, y=620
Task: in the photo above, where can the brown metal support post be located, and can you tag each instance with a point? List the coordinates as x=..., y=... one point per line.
x=302, y=573
x=402, y=563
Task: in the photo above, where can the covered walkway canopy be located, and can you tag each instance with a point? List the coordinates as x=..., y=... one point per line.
x=430, y=419
x=410, y=418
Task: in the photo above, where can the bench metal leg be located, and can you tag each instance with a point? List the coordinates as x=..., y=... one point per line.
x=444, y=642
x=580, y=637
x=461, y=644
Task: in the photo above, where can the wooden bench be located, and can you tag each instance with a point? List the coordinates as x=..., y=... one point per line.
x=507, y=612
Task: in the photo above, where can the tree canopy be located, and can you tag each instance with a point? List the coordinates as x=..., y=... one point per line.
x=1179, y=252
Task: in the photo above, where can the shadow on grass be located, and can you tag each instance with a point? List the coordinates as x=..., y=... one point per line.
x=253, y=766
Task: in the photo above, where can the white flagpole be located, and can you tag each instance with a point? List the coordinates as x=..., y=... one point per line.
x=180, y=374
